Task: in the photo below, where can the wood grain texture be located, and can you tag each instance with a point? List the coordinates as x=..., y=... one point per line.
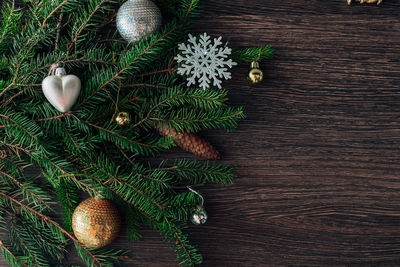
x=318, y=156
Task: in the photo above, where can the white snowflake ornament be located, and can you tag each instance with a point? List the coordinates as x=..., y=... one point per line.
x=204, y=61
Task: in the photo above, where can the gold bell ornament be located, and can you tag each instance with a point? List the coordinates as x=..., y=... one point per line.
x=122, y=118
x=255, y=75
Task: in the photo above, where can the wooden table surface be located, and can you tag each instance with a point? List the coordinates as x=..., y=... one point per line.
x=318, y=158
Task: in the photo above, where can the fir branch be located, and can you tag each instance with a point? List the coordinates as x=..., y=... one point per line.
x=204, y=99
x=253, y=53
x=52, y=13
x=35, y=240
x=19, y=125
x=7, y=24
x=27, y=190
x=146, y=85
x=58, y=30
x=168, y=70
x=72, y=176
x=187, y=253
x=82, y=27
x=139, y=146
x=199, y=172
x=9, y=100
x=180, y=242
x=70, y=61
x=115, y=180
x=70, y=137
x=15, y=260
x=193, y=121
x=125, y=200
x=16, y=234
x=16, y=148
x=56, y=117
x=68, y=198
x=130, y=100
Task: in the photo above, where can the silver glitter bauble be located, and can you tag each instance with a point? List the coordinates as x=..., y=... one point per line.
x=137, y=19
x=199, y=216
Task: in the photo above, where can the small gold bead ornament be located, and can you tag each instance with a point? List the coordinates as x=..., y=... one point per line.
x=366, y=1
x=122, y=118
x=255, y=75
x=96, y=222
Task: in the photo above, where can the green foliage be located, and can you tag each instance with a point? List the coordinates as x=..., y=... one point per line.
x=174, y=232
x=83, y=151
x=68, y=197
x=196, y=172
x=253, y=53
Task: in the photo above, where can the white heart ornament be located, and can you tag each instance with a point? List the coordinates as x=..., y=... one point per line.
x=61, y=90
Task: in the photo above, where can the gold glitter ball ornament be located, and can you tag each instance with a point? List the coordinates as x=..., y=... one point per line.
x=96, y=222
x=255, y=75
x=122, y=118
x=366, y=1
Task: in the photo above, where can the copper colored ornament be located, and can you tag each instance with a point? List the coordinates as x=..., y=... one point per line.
x=255, y=75
x=96, y=222
x=190, y=142
x=366, y=1
x=122, y=118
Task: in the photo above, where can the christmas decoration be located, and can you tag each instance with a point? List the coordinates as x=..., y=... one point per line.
x=122, y=118
x=204, y=61
x=366, y=1
x=61, y=90
x=190, y=142
x=82, y=151
x=137, y=19
x=255, y=75
x=199, y=216
x=96, y=222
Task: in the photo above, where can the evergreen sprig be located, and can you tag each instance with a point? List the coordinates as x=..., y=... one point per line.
x=83, y=151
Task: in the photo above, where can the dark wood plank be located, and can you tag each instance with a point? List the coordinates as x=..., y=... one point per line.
x=318, y=156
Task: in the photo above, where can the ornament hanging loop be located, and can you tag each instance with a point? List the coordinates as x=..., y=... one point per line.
x=255, y=65
x=57, y=69
x=99, y=195
x=53, y=68
x=197, y=193
x=259, y=54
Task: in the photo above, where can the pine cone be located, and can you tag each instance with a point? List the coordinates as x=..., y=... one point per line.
x=190, y=142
